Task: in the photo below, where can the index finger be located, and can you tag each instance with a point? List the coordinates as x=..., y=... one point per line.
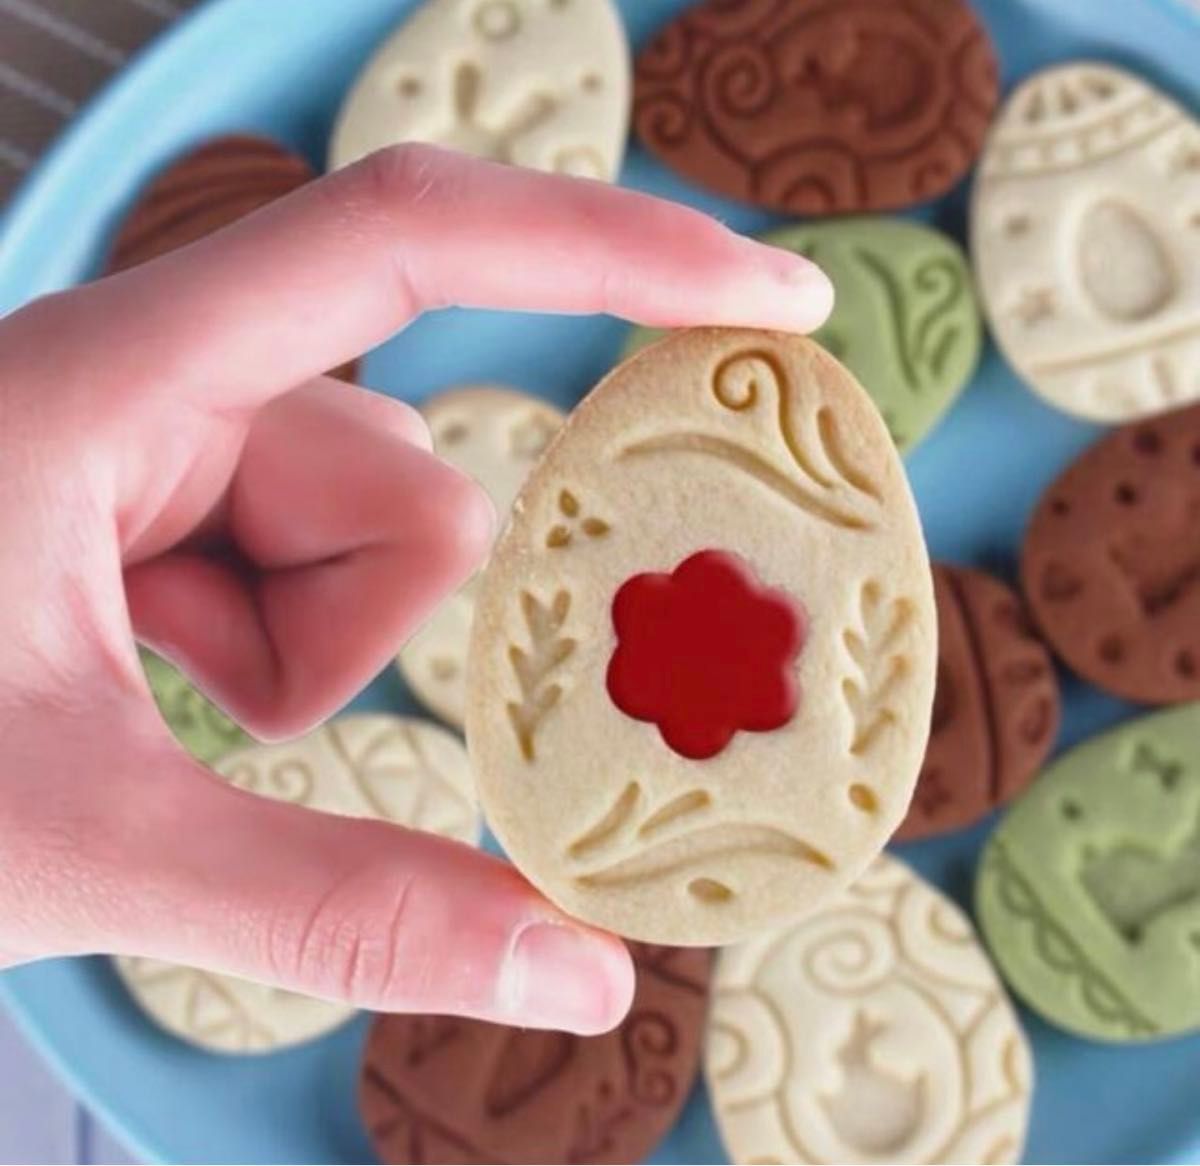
x=336, y=267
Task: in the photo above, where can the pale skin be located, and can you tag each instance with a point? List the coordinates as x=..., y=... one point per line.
x=175, y=472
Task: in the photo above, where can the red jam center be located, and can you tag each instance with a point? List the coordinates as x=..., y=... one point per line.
x=704, y=652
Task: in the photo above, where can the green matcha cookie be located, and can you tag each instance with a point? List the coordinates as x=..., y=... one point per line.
x=1089, y=891
x=204, y=731
x=905, y=323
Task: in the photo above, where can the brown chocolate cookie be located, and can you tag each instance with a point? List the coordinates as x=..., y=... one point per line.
x=813, y=107
x=1111, y=561
x=996, y=708
x=440, y=1089
x=207, y=189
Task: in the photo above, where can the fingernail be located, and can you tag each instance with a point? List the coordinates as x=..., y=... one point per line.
x=558, y=976
x=800, y=275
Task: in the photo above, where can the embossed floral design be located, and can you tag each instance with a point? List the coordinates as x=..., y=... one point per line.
x=704, y=652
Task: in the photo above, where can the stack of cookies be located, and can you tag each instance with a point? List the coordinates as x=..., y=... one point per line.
x=709, y=672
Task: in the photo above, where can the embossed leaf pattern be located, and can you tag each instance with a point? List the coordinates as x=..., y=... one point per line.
x=679, y=838
x=879, y=665
x=535, y=664
x=924, y=331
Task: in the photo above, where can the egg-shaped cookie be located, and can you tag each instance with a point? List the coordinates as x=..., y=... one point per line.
x=1111, y=561
x=361, y=765
x=703, y=656
x=874, y=1030
x=996, y=707
x=496, y=435
x=225, y=1014
x=813, y=108
x=448, y=1089
x=1085, y=235
x=210, y=187
x=1088, y=893
x=213, y=185
x=537, y=83
x=905, y=321
x=199, y=726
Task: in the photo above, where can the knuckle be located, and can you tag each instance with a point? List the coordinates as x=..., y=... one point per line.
x=402, y=175
x=346, y=946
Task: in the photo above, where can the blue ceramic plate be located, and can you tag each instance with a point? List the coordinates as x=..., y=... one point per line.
x=281, y=69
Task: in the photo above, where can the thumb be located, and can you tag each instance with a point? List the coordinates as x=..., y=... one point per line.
x=347, y=909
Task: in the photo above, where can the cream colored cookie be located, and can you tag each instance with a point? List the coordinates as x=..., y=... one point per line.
x=702, y=664
x=225, y=1014
x=361, y=765
x=1085, y=234
x=496, y=435
x=538, y=83
x=875, y=1030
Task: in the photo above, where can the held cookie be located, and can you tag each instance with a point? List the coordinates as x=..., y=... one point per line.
x=873, y=1031
x=496, y=435
x=441, y=1089
x=996, y=707
x=538, y=83
x=199, y=726
x=361, y=765
x=1089, y=891
x=905, y=321
x=703, y=656
x=214, y=185
x=1111, y=561
x=814, y=108
x=1085, y=234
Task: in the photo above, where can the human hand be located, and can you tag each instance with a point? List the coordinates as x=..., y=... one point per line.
x=164, y=477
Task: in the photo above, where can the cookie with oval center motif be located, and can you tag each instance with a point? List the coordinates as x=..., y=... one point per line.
x=445, y=1089
x=496, y=435
x=1085, y=234
x=213, y=185
x=875, y=1030
x=702, y=663
x=996, y=707
x=362, y=765
x=199, y=726
x=813, y=108
x=537, y=83
x=1088, y=893
x=1111, y=561
x=905, y=321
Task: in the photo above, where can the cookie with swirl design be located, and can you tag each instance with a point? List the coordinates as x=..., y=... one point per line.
x=445, y=1089
x=703, y=653
x=363, y=765
x=212, y=186
x=905, y=322
x=814, y=107
x=874, y=1030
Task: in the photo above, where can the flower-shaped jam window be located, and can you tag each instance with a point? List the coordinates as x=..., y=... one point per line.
x=704, y=652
